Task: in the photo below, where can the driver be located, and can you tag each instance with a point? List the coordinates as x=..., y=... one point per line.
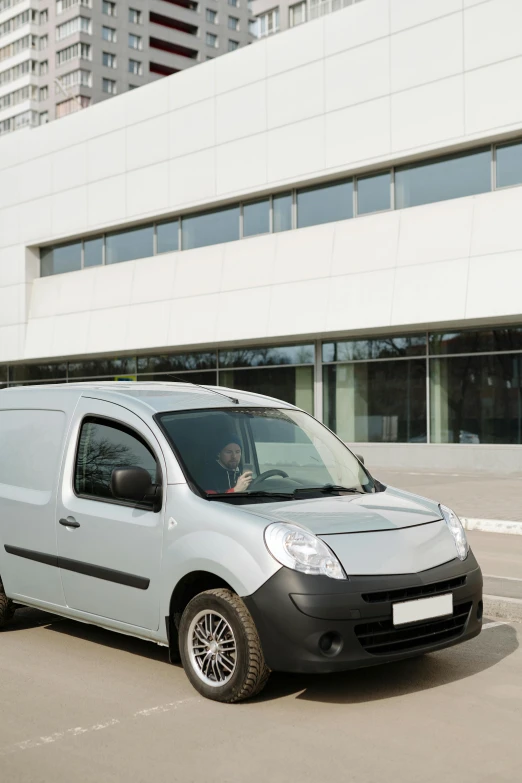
x=223, y=475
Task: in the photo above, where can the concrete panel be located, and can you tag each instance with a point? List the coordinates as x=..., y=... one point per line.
x=408, y=13
x=435, y=232
x=426, y=53
x=241, y=112
x=304, y=254
x=241, y=165
x=485, y=40
x=106, y=201
x=357, y=75
x=106, y=155
x=428, y=115
x=69, y=211
x=12, y=342
x=430, y=292
x=199, y=271
x=497, y=226
x=238, y=69
x=298, y=308
x=153, y=278
x=147, y=143
x=69, y=168
x=296, y=150
x=192, y=128
x=36, y=220
x=192, y=178
x=360, y=300
x=148, y=325
x=70, y=334
x=296, y=47
x=191, y=86
x=112, y=285
x=249, y=308
x=495, y=283
x=193, y=320
x=358, y=133
x=368, y=243
x=147, y=190
x=295, y=95
x=12, y=265
x=107, y=329
x=356, y=25
x=491, y=101
x=9, y=226
x=249, y=263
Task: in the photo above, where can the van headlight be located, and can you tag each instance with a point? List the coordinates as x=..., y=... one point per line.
x=296, y=548
x=457, y=531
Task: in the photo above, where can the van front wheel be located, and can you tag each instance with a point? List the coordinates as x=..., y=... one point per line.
x=6, y=607
x=220, y=648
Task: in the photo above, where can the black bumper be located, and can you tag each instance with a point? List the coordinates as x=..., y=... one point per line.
x=317, y=624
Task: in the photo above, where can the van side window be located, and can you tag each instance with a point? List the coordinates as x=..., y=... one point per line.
x=104, y=446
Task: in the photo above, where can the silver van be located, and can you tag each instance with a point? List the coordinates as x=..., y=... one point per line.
x=233, y=528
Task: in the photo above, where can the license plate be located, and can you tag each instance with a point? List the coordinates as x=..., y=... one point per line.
x=422, y=609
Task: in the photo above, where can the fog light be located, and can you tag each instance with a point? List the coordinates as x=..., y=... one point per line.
x=330, y=644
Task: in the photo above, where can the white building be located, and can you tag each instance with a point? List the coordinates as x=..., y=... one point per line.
x=365, y=258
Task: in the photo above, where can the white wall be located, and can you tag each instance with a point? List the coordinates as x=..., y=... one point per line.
x=378, y=82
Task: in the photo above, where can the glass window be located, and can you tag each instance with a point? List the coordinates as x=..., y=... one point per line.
x=102, y=368
x=109, y=86
x=63, y=258
x=167, y=236
x=265, y=356
x=476, y=399
x=3, y=374
x=290, y=384
x=102, y=448
x=233, y=23
x=282, y=212
x=324, y=204
x=509, y=165
x=444, y=178
x=211, y=16
x=232, y=45
x=211, y=40
x=177, y=362
x=256, y=218
x=235, y=3
x=508, y=339
x=38, y=372
x=378, y=348
x=373, y=193
x=126, y=245
x=297, y=14
x=134, y=16
x=135, y=67
x=108, y=8
x=210, y=228
x=109, y=60
x=134, y=41
x=199, y=378
x=376, y=401
x=109, y=34
x=93, y=252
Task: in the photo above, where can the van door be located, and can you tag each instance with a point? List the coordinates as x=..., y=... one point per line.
x=109, y=550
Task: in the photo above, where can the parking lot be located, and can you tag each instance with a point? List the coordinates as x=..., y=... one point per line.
x=80, y=703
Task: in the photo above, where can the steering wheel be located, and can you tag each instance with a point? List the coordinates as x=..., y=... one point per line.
x=267, y=474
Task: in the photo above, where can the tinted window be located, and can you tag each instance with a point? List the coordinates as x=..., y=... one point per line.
x=167, y=236
x=38, y=372
x=102, y=367
x=379, y=348
x=177, y=361
x=256, y=218
x=64, y=258
x=126, y=245
x=104, y=447
x=259, y=357
x=210, y=228
x=509, y=165
x=373, y=193
x=509, y=339
x=324, y=204
x=438, y=180
x=282, y=212
x=291, y=384
x=93, y=252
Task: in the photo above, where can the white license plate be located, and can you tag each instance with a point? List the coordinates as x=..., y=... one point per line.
x=422, y=609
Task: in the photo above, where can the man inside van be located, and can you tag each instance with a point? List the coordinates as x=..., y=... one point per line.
x=223, y=474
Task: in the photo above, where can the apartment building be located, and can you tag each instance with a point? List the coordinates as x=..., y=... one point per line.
x=330, y=216
x=276, y=17
x=59, y=56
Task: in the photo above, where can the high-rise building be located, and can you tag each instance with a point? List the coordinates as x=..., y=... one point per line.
x=274, y=16
x=58, y=56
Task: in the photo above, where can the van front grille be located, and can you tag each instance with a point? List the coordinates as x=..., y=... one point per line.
x=383, y=638
x=419, y=591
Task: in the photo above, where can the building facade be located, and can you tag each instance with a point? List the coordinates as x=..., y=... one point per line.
x=272, y=17
x=59, y=56
x=330, y=216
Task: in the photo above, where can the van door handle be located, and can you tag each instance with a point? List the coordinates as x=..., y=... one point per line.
x=69, y=522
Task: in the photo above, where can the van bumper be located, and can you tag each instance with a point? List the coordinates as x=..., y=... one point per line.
x=314, y=624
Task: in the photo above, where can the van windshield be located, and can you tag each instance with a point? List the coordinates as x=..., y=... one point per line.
x=245, y=453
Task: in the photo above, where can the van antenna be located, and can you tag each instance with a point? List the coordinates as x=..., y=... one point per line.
x=212, y=391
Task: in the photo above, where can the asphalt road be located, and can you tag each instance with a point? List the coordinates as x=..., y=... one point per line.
x=83, y=704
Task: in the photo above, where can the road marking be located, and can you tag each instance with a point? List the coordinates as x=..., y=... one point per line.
x=508, y=578
x=504, y=599
x=80, y=730
x=493, y=625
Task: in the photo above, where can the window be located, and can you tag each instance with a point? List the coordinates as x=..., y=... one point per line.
x=63, y=5
x=211, y=40
x=375, y=348
x=44, y=93
x=475, y=341
x=59, y=259
x=167, y=236
x=232, y=45
x=44, y=16
x=444, y=178
x=177, y=362
x=130, y=244
x=135, y=16
x=71, y=105
x=44, y=118
x=282, y=210
x=297, y=14
x=256, y=218
x=233, y=23
x=135, y=41
x=109, y=9
x=373, y=193
x=71, y=52
x=109, y=86
x=76, y=77
x=135, y=67
x=267, y=356
x=268, y=23
x=235, y=3
x=509, y=165
x=78, y=24
x=109, y=60
x=133, y=86
x=210, y=228
x=93, y=252
x=102, y=448
x=253, y=26
x=211, y=16
x=44, y=67
x=109, y=34
x=43, y=42
x=325, y=204
x=92, y=368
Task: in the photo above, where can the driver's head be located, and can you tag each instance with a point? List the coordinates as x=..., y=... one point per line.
x=230, y=453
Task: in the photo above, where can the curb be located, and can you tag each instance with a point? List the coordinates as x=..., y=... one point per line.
x=492, y=525
x=503, y=608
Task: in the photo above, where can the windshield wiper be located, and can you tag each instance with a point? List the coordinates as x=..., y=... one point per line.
x=260, y=493
x=327, y=489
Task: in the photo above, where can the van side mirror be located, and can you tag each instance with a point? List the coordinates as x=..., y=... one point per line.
x=135, y=484
x=360, y=458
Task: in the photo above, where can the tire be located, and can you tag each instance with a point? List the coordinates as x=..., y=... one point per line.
x=6, y=607
x=229, y=676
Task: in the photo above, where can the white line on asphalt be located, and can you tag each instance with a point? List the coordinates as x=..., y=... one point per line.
x=509, y=578
x=504, y=599
x=493, y=625
x=79, y=730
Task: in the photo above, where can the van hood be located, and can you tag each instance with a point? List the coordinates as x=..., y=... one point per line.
x=392, y=509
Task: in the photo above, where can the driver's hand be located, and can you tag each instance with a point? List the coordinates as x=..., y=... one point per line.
x=243, y=481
